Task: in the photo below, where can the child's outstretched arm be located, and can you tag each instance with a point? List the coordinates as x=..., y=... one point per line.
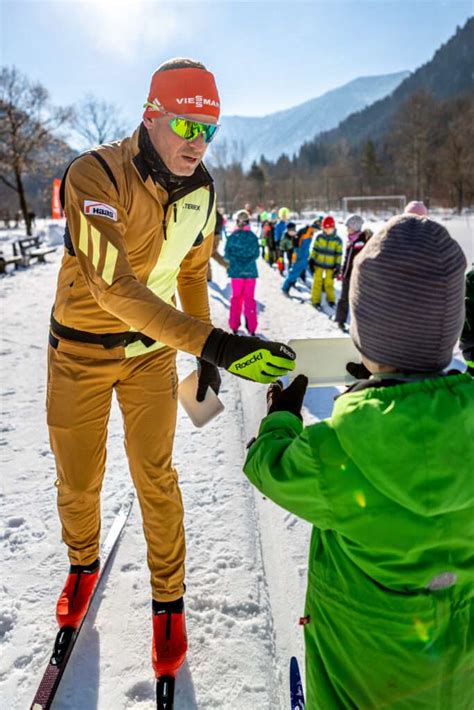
x=282, y=462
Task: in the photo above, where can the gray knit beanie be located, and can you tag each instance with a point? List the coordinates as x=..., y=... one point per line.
x=354, y=222
x=407, y=295
x=242, y=217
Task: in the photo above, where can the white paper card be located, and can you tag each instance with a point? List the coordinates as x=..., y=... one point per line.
x=200, y=413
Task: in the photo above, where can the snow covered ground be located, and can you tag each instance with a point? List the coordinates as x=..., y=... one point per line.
x=246, y=558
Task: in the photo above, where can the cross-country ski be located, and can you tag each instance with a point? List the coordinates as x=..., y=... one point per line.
x=296, y=686
x=67, y=635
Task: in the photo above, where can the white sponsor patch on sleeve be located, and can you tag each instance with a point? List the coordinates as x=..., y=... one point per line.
x=99, y=209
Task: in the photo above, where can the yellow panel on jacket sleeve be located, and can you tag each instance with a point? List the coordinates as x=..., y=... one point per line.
x=84, y=235
x=110, y=261
x=95, y=246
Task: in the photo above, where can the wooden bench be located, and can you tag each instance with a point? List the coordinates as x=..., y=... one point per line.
x=6, y=260
x=30, y=248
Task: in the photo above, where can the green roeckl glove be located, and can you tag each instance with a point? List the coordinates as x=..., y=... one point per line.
x=248, y=357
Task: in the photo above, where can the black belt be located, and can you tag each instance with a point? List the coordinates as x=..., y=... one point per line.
x=107, y=340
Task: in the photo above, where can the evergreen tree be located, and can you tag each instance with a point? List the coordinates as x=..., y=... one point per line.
x=370, y=165
x=257, y=177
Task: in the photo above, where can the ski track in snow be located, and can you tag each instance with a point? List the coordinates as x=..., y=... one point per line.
x=246, y=558
x=284, y=537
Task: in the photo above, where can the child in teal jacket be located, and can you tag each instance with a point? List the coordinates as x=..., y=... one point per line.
x=387, y=482
x=242, y=251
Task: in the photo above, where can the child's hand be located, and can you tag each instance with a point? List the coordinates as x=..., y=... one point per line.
x=358, y=370
x=289, y=400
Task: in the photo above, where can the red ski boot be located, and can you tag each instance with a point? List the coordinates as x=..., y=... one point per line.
x=74, y=600
x=170, y=642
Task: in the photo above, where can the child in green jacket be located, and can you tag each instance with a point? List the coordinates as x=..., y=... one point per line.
x=387, y=483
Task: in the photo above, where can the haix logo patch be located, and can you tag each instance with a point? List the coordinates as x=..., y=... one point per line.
x=198, y=101
x=99, y=209
x=190, y=206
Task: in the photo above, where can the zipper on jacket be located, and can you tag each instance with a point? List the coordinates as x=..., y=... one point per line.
x=163, y=222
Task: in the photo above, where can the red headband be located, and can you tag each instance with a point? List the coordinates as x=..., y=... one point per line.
x=183, y=91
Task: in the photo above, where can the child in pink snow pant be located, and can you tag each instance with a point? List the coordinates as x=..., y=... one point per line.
x=243, y=294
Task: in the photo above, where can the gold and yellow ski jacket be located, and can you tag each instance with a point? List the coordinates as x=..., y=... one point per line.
x=131, y=245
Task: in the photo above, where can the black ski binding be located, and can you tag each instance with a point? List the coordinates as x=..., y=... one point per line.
x=62, y=645
x=165, y=692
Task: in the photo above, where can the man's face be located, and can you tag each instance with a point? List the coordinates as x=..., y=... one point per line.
x=181, y=157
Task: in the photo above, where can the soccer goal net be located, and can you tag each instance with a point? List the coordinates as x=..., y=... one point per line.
x=381, y=206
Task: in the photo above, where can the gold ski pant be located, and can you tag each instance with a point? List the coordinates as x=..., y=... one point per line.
x=321, y=276
x=78, y=404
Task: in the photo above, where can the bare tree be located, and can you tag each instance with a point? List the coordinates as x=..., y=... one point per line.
x=229, y=182
x=456, y=157
x=415, y=138
x=27, y=127
x=98, y=122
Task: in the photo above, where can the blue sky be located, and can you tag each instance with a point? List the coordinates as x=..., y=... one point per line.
x=266, y=55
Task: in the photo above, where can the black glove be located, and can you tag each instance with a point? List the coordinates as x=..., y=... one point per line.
x=248, y=357
x=289, y=400
x=467, y=349
x=208, y=376
x=312, y=265
x=335, y=272
x=358, y=370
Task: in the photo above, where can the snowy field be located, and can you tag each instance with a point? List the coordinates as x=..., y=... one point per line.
x=246, y=558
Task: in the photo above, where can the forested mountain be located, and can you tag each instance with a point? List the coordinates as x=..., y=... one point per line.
x=244, y=139
x=450, y=73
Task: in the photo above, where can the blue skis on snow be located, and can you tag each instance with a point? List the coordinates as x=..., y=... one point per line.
x=296, y=686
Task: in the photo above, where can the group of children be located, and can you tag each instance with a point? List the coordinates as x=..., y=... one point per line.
x=323, y=257
x=316, y=246
x=273, y=226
